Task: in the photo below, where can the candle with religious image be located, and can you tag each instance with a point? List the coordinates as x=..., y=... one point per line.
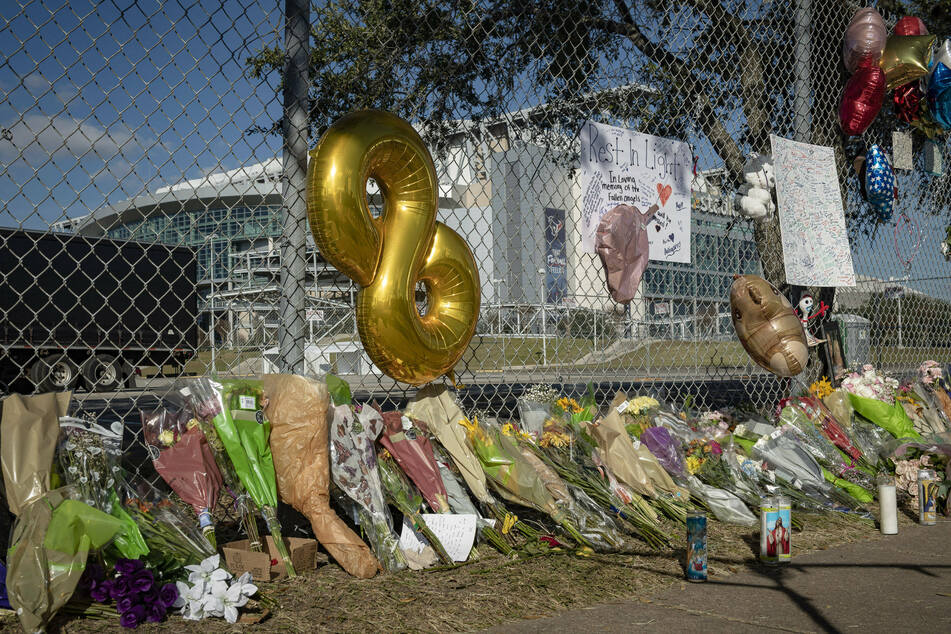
x=782, y=530
x=696, y=546
x=927, y=498
x=768, y=514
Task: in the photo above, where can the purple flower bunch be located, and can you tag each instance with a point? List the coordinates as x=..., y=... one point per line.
x=138, y=596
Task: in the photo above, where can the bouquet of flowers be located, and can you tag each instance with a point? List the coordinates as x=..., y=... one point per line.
x=401, y=494
x=514, y=477
x=50, y=543
x=868, y=383
x=596, y=527
x=667, y=450
x=834, y=468
x=182, y=456
x=889, y=416
x=434, y=407
x=414, y=454
x=353, y=465
x=88, y=455
x=171, y=538
x=205, y=407
x=571, y=454
x=212, y=591
x=636, y=414
x=138, y=595
x=235, y=407
x=906, y=474
x=932, y=377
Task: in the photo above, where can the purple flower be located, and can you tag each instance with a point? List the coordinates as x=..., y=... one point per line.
x=120, y=588
x=125, y=604
x=133, y=617
x=100, y=591
x=168, y=595
x=156, y=612
x=142, y=581
x=128, y=566
x=93, y=573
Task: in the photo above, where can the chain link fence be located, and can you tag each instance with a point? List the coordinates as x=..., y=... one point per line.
x=152, y=164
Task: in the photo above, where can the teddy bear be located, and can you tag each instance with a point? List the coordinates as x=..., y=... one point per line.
x=754, y=200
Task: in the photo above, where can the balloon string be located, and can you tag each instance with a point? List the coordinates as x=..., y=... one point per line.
x=912, y=229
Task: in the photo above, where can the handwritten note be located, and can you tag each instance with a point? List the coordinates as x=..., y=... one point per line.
x=623, y=166
x=456, y=532
x=811, y=219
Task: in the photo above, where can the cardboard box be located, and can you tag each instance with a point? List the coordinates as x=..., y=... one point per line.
x=240, y=560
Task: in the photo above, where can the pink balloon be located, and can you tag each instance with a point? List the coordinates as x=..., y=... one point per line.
x=864, y=39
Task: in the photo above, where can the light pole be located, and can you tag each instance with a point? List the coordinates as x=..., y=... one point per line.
x=541, y=295
x=498, y=301
x=209, y=240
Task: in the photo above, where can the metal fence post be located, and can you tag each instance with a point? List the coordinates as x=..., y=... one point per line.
x=293, y=241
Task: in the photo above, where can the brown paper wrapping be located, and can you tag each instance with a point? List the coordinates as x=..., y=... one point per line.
x=434, y=407
x=617, y=452
x=28, y=435
x=297, y=408
x=621, y=243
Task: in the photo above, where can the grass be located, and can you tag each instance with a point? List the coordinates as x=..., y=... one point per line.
x=494, y=590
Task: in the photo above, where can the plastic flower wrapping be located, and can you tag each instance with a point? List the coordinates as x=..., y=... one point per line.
x=353, y=466
x=869, y=383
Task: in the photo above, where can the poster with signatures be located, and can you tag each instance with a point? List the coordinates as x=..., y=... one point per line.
x=623, y=166
x=811, y=218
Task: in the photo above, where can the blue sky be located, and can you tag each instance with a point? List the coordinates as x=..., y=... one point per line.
x=106, y=100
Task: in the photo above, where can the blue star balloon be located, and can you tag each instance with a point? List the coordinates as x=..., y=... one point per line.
x=939, y=95
x=879, y=182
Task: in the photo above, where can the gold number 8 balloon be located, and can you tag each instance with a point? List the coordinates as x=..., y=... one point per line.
x=388, y=255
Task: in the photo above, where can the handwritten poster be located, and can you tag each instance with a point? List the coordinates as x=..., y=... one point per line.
x=811, y=218
x=623, y=166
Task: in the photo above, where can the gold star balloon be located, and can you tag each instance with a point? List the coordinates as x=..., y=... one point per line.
x=906, y=58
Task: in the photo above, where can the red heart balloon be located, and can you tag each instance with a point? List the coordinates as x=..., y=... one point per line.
x=910, y=25
x=862, y=99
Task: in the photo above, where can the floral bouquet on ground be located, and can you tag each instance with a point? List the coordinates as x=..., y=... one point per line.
x=182, y=456
x=240, y=500
x=514, y=477
x=139, y=597
x=414, y=454
x=235, y=407
x=403, y=495
x=869, y=383
x=353, y=466
x=435, y=408
x=569, y=453
x=933, y=378
x=88, y=456
x=212, y=591
x=636, y=414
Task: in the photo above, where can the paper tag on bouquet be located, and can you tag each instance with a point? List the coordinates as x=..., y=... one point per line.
x=622, y=407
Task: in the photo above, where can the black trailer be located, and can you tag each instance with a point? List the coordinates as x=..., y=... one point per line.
x=78, y=310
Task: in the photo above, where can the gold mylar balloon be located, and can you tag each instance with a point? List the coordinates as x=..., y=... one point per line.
x=906, y=58
x=387, y=256
x=767, y=326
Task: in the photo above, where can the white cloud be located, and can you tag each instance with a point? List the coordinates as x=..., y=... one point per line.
x=36, y=138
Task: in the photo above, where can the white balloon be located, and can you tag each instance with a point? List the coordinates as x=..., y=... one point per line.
x=942, y=55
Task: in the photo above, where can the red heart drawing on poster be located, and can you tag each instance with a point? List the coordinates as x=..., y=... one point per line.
x=664, y=191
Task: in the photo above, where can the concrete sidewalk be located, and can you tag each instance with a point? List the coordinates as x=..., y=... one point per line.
x=889, y=584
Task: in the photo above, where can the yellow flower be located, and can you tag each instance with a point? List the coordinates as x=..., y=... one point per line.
x=470, y=425
x=508, y=429
x=554, y=439
x=508, y=523
x=167, y=438
x=569, y=405
x=640, y=404
x=821, y=388
x=693, y=464
x=191, y=424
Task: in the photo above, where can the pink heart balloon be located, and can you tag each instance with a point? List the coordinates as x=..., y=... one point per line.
x=864, y=39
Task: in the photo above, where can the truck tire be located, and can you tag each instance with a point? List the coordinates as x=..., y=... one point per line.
x=102, y=372
x=55, y=373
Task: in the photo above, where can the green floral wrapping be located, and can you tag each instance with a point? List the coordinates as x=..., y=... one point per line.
x=890, y=417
